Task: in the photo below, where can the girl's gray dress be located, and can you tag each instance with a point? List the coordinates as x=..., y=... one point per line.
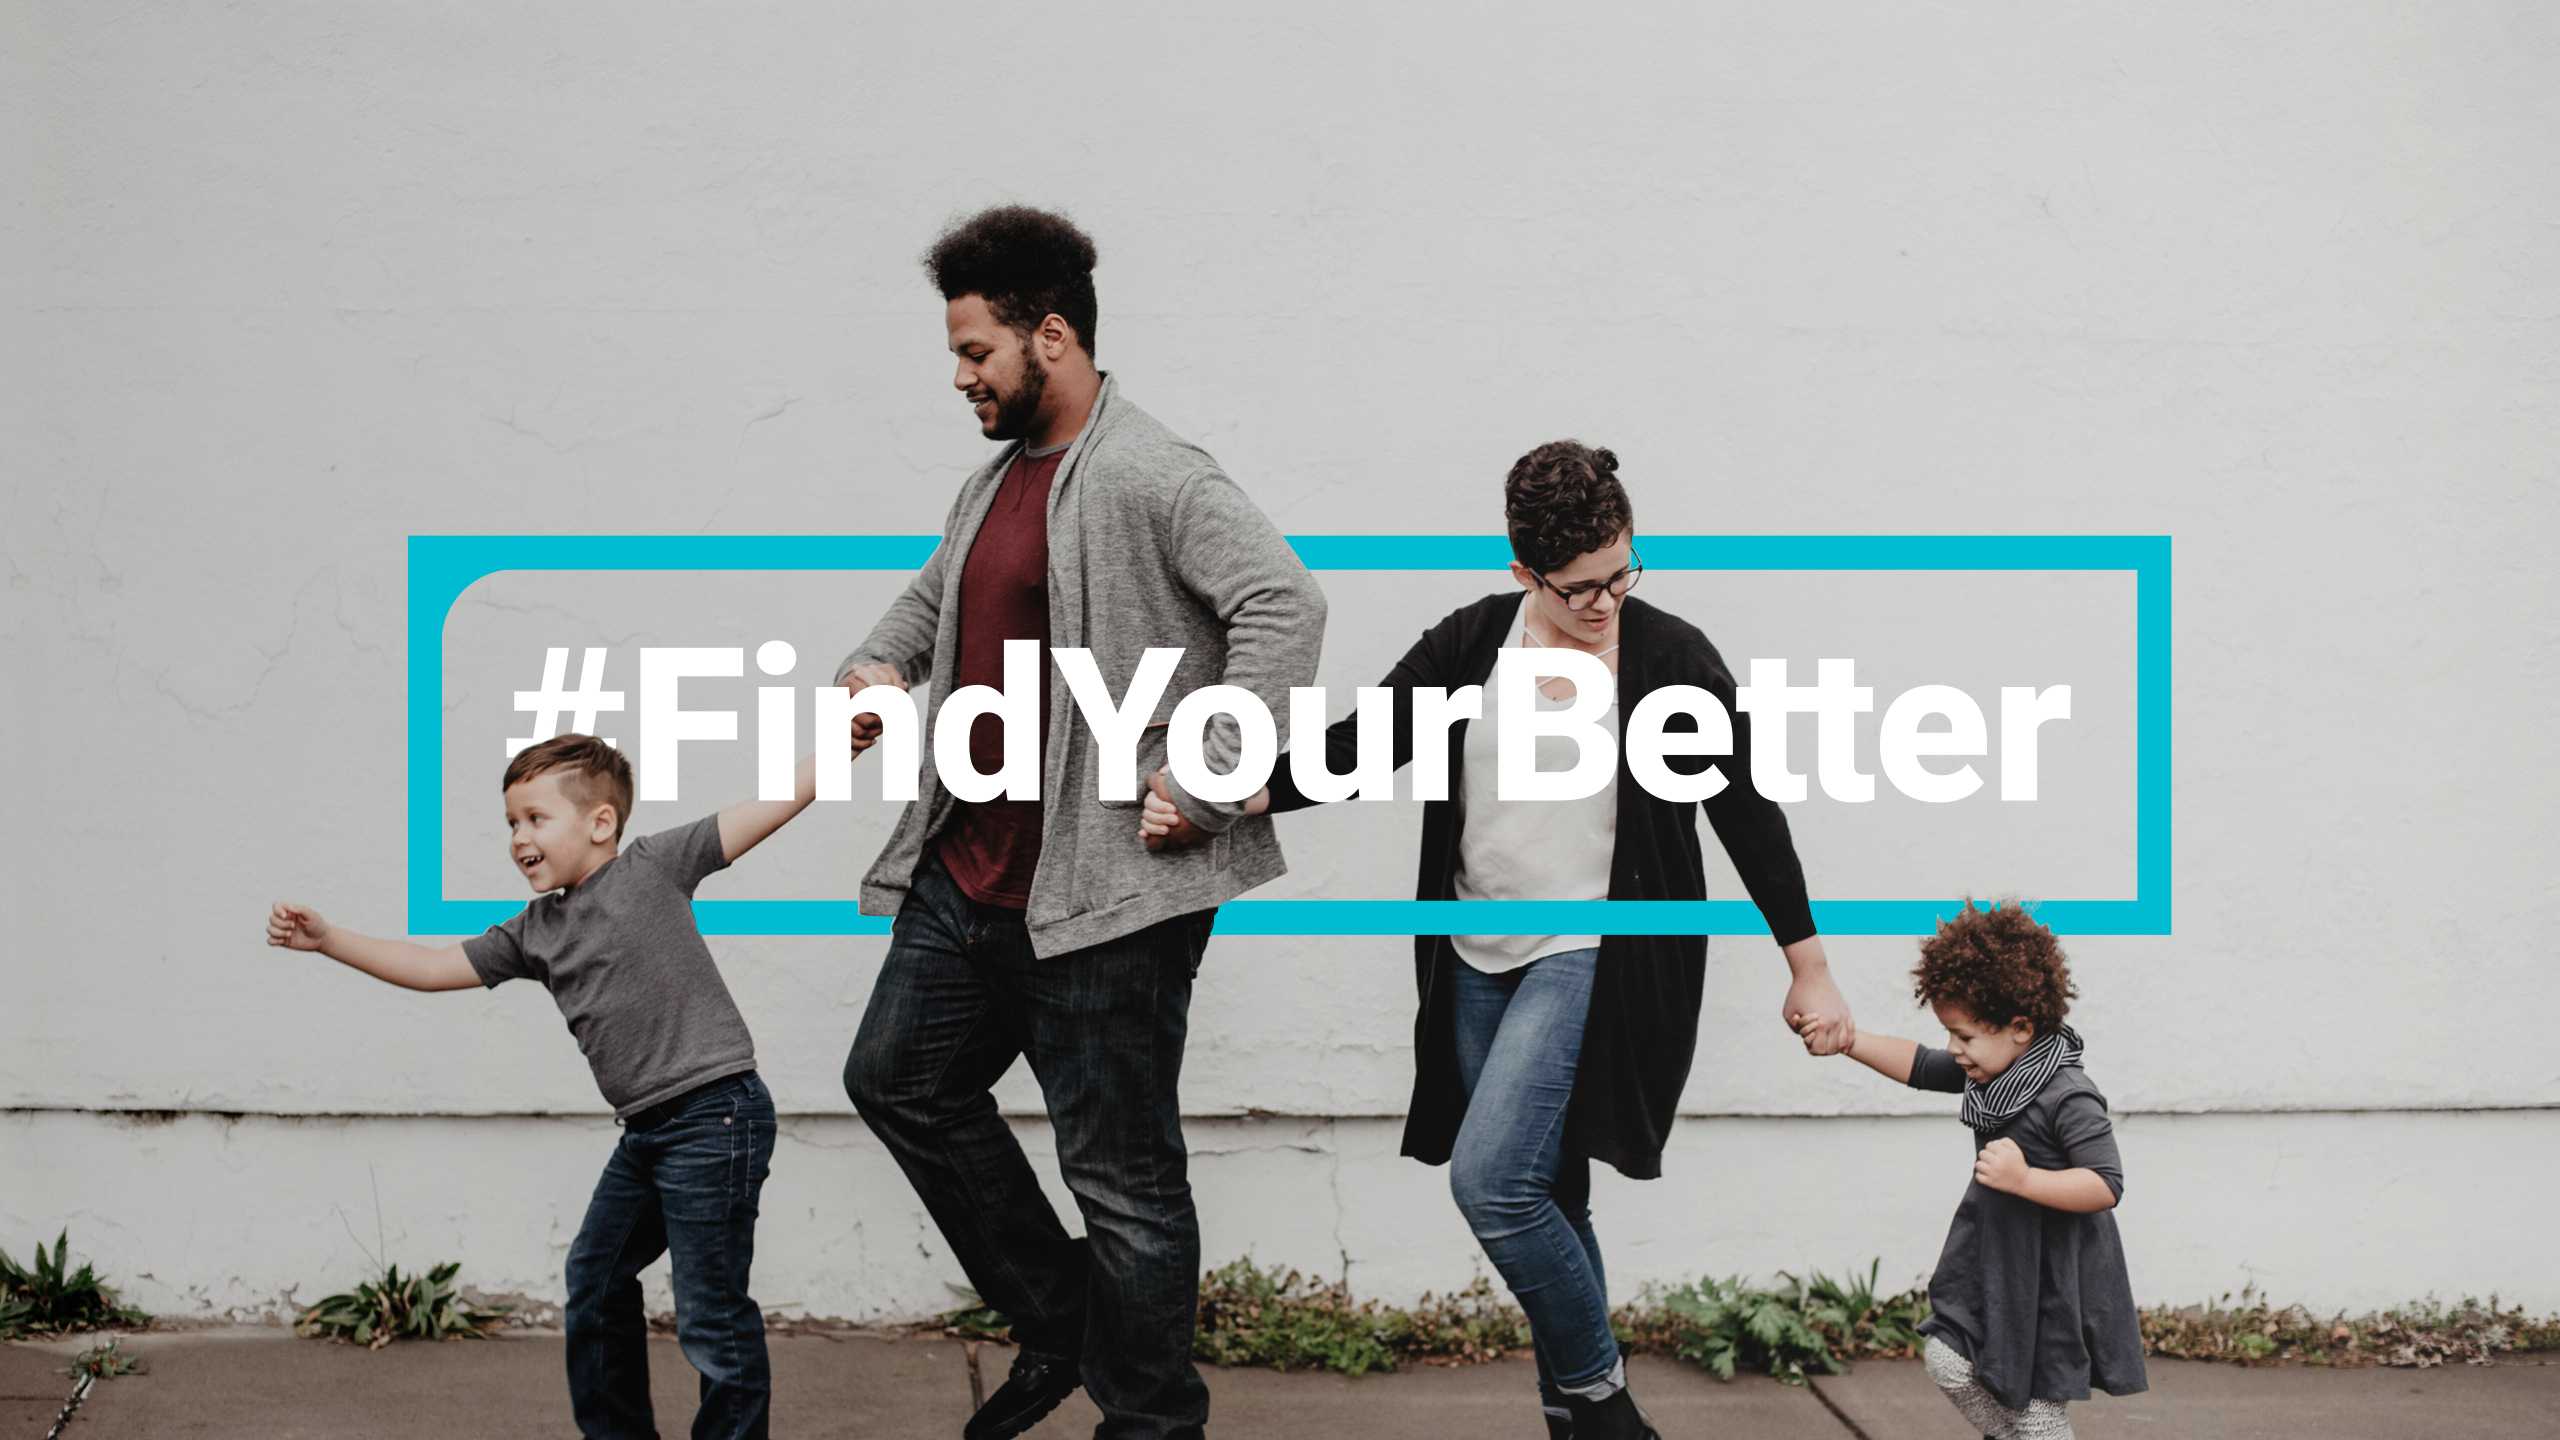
x=2037, y=1299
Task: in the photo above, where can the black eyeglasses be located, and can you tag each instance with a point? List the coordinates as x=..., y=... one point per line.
x=1580, y=597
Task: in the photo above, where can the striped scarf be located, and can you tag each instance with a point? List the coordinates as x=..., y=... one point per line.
x=1988, y=1107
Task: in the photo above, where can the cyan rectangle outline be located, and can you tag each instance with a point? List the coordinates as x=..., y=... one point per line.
x=442, y=567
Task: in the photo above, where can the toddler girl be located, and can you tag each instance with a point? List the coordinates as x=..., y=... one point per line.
x=2030, y=1306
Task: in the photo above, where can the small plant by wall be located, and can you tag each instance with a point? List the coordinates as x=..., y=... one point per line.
x=46, y=1297
x=393, y=1306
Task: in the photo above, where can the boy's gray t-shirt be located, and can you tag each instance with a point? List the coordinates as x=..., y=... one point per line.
x=621, y=955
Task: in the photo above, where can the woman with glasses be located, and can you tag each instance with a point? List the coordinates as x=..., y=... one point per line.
x=1538, y=1054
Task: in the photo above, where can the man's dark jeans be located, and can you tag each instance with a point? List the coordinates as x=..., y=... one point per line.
x=682, y=1182
x=960, y=996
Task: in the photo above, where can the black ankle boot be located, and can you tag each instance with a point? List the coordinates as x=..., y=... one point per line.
x=1039, y=1384
x=1615, y=1418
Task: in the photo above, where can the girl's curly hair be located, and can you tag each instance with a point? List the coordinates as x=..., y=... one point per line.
x=1561, y=500
x=1999, y=964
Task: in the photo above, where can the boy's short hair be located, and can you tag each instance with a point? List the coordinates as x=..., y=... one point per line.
x=1029, y=265
x=1999, y=964
x=592, y=773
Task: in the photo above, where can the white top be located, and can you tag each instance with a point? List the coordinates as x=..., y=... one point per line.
x=1530, y=849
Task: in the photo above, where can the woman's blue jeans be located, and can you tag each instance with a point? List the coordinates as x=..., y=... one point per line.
x=1529, y=1202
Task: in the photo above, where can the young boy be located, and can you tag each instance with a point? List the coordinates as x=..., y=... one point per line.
x=610, y=933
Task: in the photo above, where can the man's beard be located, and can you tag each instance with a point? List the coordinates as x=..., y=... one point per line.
x=1016, y=412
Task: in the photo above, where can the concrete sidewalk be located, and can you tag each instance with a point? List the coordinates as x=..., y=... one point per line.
x=250, y=1381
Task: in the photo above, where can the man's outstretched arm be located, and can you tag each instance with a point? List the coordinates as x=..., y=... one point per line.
x=1228, y=553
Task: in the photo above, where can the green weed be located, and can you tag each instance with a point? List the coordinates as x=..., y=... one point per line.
x=402, y=1307
x=47, y=1297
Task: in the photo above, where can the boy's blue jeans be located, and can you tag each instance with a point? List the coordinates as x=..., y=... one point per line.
x=1519, y=1040
x=682, y=1182
x=960, y=997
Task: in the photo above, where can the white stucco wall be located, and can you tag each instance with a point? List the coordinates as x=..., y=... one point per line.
x=286, y=284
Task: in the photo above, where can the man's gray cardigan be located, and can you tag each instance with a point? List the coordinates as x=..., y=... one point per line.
x=1150, y=544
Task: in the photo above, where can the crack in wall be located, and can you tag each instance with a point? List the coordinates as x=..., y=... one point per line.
x=274, y=659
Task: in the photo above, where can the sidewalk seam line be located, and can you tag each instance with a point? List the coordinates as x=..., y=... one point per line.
x=1837, y=1413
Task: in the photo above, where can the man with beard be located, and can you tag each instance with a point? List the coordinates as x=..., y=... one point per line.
x=1043, y=928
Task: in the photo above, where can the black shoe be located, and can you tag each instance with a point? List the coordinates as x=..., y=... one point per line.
x=1038, y=1384
x=1615, y=1418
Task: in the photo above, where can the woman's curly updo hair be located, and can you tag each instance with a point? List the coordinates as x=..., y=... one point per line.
x=1999, y=964
x=1563, y=500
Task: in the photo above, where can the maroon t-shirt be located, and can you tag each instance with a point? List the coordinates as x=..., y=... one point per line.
x=991, y=848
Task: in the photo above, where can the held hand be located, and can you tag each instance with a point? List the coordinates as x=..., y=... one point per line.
x=1820, y=1018
x=867, y=725
x=2001, y=1166
x=1161, y=826
x=1808, y=1029
x=296, y=927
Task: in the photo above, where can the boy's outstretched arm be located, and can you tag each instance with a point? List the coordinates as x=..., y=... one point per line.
x=399, y=962
x=744, y=826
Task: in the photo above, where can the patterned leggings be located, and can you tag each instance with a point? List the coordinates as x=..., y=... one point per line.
x=2041, y=1420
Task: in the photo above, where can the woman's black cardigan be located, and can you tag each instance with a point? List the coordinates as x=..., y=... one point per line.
x=1643, y=1024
